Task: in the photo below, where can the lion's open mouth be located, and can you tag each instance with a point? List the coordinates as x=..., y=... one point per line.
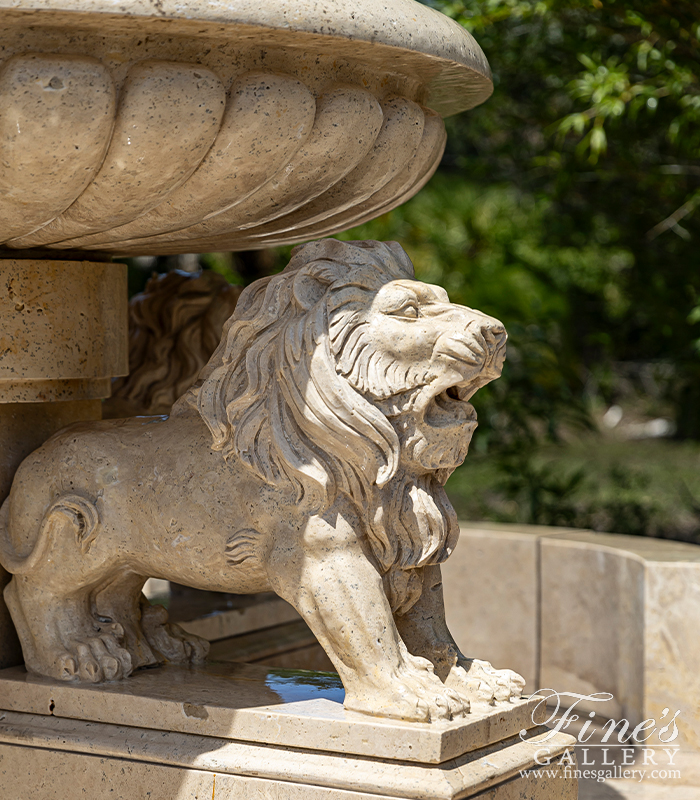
x=452, y=405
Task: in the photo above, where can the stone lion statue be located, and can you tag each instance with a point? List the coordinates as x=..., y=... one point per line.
x=174, y=327
x=309, y=458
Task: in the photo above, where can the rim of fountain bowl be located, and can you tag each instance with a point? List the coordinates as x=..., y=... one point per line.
x=448, y=59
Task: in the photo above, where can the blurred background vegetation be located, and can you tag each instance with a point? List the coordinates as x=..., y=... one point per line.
x=568, y=206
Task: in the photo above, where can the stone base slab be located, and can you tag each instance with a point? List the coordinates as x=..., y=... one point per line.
x=253, y=703
x=232, y=730
x=49, y=758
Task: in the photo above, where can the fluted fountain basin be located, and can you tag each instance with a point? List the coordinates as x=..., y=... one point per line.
x=170, y=127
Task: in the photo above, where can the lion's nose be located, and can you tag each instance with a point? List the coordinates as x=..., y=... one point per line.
x=494, y=337
x=494, y=334
x=481, y=342
x=490, y=336
x=489, y=330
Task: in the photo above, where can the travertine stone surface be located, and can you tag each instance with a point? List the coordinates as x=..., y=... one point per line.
x=672, y=645
x=557, y=784
x=290, y=645
x=599, y=595
x=23, y=428
x=64, y=331
x=499, y=563
x=166, y=120
x=246, y=153
x=270, y=611
x=54, y=341
x=187, y=765
x=220, y=127
x=62, y=324
x=10, y=649
x=254, y=703
x=26, y=426
x=309, y=459
x=44, y=168
x=653, y=667
x=53, y=346
x=346, y=124
x=442, y=55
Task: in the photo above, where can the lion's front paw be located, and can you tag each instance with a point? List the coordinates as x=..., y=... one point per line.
x=412, y=692
x=169, y=640
x=481, y=682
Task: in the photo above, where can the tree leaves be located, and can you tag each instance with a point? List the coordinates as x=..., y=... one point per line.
x=597, y=109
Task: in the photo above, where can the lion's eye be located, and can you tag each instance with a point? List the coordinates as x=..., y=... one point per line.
x=410, y=310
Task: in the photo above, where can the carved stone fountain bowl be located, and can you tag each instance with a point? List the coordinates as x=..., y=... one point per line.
x=171, y=127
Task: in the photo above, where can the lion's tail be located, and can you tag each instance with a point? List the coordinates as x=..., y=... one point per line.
x=80, y=511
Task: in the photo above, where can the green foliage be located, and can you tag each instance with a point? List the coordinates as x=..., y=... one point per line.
x=596, y=106
x=547, y=495
x=647, y=488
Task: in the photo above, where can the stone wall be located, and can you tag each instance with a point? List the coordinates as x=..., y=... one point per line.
x=586, y=612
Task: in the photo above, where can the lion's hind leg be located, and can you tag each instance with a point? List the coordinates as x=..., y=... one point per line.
x=149, y=637
x=51, y=608
x=60, y=638
x=168, y=639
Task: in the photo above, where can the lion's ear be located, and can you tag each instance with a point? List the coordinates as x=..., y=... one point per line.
x=311, y=284
x=308, y=290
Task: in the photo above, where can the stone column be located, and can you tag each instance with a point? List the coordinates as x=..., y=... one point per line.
x=63, y=336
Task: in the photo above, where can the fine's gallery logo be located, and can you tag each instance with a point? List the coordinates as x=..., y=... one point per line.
x=615, y=748
x=560, y=720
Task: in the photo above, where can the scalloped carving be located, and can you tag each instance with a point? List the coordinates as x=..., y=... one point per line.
x=56, y=116
x=175, y=163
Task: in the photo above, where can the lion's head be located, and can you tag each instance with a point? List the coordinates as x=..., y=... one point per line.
x=343, y=374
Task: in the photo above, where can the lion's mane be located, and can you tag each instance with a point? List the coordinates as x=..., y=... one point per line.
x=289, y=393
x=174, y=326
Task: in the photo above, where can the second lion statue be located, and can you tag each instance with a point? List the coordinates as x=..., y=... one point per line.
x=309, y=458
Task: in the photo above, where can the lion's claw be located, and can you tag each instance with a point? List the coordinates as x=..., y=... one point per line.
x=93, y=659
x=67, y=668
x=483, y=683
